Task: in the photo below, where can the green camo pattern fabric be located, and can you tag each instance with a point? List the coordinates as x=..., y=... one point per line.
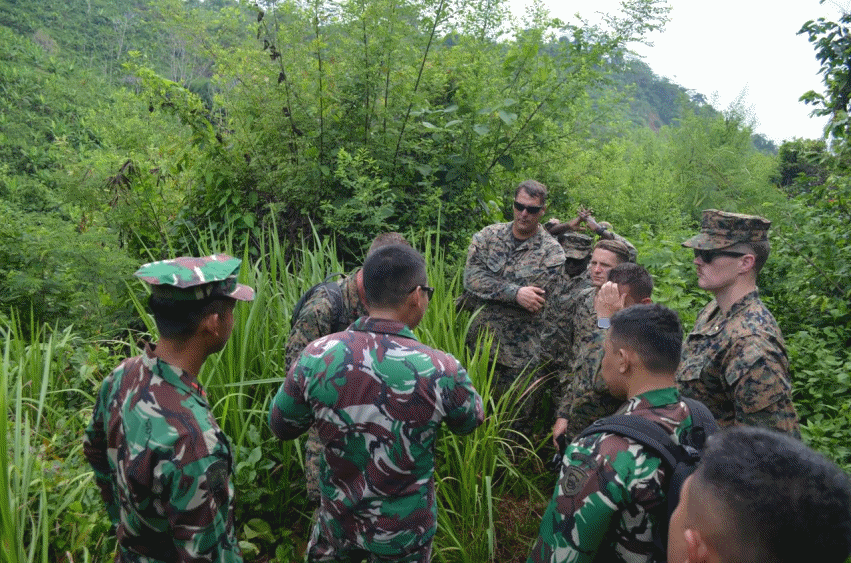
x=610, y=492
x=162, y=464
x=377, y=397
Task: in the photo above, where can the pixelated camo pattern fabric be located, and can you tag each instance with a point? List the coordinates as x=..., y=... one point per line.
x=316, y=317
x=496, y=269
x=377, y=397
x=736, y=364
x=609, y=495
x=162, y=464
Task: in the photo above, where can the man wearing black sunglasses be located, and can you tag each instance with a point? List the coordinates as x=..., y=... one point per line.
x=511, y=271
x=734, y=360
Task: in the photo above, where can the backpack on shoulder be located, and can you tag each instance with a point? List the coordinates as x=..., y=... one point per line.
x=681, y=459
x=339, y=321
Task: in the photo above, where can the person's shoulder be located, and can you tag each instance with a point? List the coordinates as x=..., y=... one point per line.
x=751, y=318
x=495, y=230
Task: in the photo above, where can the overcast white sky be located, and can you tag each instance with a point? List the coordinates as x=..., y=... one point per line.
x=726, y=47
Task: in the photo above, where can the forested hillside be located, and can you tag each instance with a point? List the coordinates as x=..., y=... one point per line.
x=290, y=134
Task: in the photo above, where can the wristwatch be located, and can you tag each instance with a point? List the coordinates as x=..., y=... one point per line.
x=603, y=323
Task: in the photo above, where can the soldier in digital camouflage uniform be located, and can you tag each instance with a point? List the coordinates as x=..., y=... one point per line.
x=377, y=397
x=584, y=339
x=610, y=494
x=588, y=398
x=161, y=461
x=317, y=319
x=735, y=359
x=511, y=270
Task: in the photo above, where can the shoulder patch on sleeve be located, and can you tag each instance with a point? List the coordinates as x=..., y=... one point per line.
x=574, y=480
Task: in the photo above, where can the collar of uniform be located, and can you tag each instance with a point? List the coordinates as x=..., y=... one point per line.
x=538, y=234
x=743, y=303
x=172, y=374
x=657, y=397
x=383, y=326
x=715, y=320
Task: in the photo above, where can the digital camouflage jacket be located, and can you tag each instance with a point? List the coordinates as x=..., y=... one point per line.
x=610, y=492
x=162, y=464
x=377, y=397
x=736, y=365
x=585, y=397
x=316, y=317
x=496, y=269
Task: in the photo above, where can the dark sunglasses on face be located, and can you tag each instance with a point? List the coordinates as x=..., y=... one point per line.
x=428, y=290
x=532, y=209
x=707, y=256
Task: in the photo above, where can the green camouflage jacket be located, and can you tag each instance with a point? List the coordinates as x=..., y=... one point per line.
x=377, y=397
x=315, y=319
x=496, y=269
x=736, y=365
x=610, y=492
x=162, y=464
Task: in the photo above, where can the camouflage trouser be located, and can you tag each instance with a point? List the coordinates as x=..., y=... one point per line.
x=312, y=456
x=322, y=549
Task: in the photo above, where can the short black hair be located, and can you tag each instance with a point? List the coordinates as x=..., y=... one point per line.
x=178, y=320
x=534, y=188
x=637, y=277
x=653, y=331
x=390, y=273
x=786, y=502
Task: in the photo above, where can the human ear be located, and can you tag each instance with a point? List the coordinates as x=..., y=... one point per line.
x=748, y=262
x=696, y=547
x=624, y=359
x=211, y=324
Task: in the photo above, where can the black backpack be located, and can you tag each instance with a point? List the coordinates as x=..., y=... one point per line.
x=339, y=319
x=681, y=459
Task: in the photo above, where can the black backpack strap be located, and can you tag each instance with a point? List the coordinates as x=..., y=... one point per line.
x=703, y=424
x=641, y=430
x=339, y=319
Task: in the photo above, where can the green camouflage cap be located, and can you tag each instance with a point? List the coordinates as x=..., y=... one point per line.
x=192, y=279
x=720, y=229
x=576, y=245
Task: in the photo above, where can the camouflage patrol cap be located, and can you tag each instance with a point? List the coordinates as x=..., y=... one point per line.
x=576, y=245
x=192, y=279
x=720, y=229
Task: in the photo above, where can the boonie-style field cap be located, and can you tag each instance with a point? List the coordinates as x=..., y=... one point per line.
x=576, y=245
x=720, y=229
x=192, y=279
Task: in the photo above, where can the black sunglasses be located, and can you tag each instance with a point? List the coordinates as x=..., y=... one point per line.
x=428, y=290
x=709, y=255
x=532, y=209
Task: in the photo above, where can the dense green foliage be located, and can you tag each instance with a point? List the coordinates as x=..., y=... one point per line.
x=138, y=130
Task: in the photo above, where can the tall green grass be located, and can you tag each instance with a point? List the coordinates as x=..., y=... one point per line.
x=53, y=510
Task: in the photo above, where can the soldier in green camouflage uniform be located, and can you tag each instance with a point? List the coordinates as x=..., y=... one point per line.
x=161, y=461
x=611, y=494
x=377, y=397
x=315, y=320
x=511, y=270
x=735, y=359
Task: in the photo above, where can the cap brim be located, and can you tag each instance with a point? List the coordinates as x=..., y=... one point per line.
x=242, y=293
x=702, y=241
